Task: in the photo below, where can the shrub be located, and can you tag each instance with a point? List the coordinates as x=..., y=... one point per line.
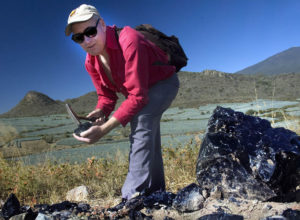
x=166, y=119
x=7, y=133
x=49, y=138
x=125, y=132
x=251, y=112
x=67, y=134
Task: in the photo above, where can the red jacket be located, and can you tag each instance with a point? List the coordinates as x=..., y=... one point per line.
x=134, y=69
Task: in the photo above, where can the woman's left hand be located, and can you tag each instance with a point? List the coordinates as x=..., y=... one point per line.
x=92, y=135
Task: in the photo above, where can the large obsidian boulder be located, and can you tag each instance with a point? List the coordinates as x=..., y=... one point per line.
x=248, y=158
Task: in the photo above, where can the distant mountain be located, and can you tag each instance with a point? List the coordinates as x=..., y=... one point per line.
x=207, y=87
x=287, y=61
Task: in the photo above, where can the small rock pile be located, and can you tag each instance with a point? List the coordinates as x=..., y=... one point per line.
x=69, y=210
x=241, y=159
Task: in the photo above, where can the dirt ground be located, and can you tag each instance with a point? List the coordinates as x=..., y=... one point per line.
x=253, y=210
x=249, y=209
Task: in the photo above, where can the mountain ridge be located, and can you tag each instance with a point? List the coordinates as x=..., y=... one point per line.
x=287, y=61
x=196, y=88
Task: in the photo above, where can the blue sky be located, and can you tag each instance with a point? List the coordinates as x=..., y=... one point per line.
x=225, y=35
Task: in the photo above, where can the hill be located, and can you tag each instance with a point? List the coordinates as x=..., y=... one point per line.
x=287, y=61
x=212, y=86
x=196, y=89
x=35, y=104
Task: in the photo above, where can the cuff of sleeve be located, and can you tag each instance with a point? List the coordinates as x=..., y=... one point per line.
x=104, y=110
x=121, y=117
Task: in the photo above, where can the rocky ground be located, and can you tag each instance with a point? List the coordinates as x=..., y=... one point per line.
x=212, y=208
x=249, y=209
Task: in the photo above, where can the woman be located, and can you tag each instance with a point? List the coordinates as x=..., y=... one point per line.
x=126, y=64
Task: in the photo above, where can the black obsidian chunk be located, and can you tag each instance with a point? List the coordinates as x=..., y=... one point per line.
x=221, y=216
x=11, y=207
x=247, y=157
x=82, y=127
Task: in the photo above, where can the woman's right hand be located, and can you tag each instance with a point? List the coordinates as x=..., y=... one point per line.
x=99, y=115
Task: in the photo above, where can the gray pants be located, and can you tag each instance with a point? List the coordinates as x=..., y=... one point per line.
x=146, y=172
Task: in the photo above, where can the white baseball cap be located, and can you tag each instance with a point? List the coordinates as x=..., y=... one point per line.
x=82, y=13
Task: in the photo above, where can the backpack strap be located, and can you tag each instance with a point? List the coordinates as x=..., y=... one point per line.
x=169, y=44
x=117, y=34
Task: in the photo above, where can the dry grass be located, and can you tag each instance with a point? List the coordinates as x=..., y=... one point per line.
x=179, y=163
x=7, y=133
x=49, y=182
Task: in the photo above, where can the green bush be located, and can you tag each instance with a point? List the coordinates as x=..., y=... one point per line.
x=49, y=138
x=251, y=112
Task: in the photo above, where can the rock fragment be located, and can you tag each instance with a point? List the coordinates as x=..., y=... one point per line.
x=221, y=216
x=78, y=194
x=189, y=199
x=11, y=207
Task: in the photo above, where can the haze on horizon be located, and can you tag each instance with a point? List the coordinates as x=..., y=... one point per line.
x=225, y=35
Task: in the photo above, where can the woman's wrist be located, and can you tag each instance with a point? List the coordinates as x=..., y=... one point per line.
x=110, y=124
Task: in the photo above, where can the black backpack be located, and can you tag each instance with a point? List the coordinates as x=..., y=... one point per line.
x=168, y=44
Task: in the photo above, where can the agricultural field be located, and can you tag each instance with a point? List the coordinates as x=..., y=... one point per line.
x=38, y=139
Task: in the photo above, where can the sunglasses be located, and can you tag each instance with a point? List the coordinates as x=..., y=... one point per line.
x=89, y=32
